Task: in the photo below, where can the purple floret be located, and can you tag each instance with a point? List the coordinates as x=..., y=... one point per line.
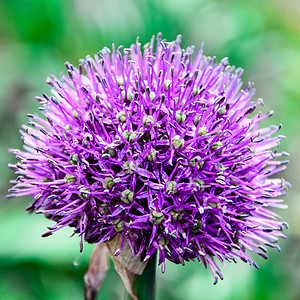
x=160, y=148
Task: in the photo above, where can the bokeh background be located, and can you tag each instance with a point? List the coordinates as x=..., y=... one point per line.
x=38, y=36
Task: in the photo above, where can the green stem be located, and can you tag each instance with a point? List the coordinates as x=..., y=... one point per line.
x=144, y=285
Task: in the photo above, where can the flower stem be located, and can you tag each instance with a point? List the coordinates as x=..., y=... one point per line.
x=144, y=285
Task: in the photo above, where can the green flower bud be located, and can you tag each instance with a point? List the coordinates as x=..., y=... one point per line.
x=152, y=96
x=108, y=183
x=69, y=178
x=196, y=120
x=120, y=81
x=129, y=95
x=221, y=111
x=74, y=159
x=109, y=106
x=195, y=161
x=195, y=90
x=216, y=145
x=177, y=214
x=198, y=225
x=167, y=84
x=121, y=117
x=87, y=137
x=119, y=224
x=156, y=217
x=199, y=183
x=201, y=131
x=111, y=152
x=152, y=155
x=214, y=204
x=177, y=142
x=221, y=133
x=129, y=136
x=84, y=193
x=171, y=187
x=67, y=127
x=103, y=209
x=75, y=114
x=129, y=167
x=180, y=117
x=127, y=196
x=147, y=120
x=221, y=167
x=163, y=241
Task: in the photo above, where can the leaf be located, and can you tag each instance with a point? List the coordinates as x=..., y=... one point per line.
x=127, y=278
x=97, y=269
x=126, y=264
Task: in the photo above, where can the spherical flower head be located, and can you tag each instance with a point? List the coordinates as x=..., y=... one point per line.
x=160, y=148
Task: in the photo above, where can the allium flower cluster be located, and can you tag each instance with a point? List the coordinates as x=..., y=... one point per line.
x=160, y=148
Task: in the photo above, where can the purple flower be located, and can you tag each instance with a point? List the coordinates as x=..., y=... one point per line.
x=160, y=148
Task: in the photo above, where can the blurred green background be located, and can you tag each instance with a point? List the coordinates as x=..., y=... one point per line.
x=38, y=36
